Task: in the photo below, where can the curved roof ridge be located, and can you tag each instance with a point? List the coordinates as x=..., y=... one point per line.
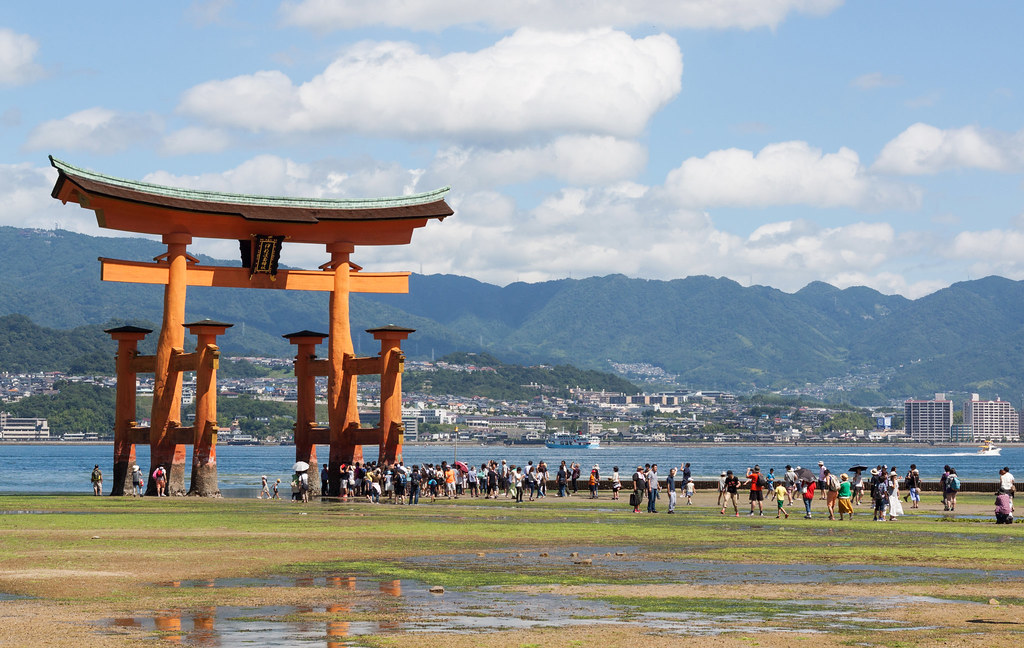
x=249, y=199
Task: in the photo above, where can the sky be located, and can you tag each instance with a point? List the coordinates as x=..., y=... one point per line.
x=774, y=142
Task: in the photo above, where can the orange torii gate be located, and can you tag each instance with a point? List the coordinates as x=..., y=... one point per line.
x=260, y=224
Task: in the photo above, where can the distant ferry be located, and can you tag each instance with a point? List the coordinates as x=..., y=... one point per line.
x=575, y=441
x=988, y=449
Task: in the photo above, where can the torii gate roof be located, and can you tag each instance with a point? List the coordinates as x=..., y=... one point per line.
x=148, y=208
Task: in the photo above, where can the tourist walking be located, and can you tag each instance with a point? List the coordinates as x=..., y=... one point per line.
x=414, y=485
x=879, y=493
x=652, y=489
x=639, y=488
x=721, y=489
x=895, y=506
x=670, y=488
x=562, y=478
x=831, y=494
x=913, y=484
x=821, y=478
x=780, y=492
x=595, y=480
x=264, y=488
x=952, y=488
x=574, y=475
x=616, y=483
x=756, y=483
x=732, y=493
x=790, y=481
x=690, y=489
x=160, y=476
x=858, y=487
x=138, y=483
x=807, y=493
x=845, y=496
x=97, y=480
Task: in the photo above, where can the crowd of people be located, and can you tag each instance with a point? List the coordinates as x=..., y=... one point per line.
x=887, y=489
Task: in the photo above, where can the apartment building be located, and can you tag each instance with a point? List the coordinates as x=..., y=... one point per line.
x=928, y=420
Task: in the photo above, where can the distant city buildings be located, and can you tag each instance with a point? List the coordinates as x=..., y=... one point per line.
x=928, y=420
x=988, y=420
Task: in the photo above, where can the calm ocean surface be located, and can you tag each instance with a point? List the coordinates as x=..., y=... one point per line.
x=66, y=468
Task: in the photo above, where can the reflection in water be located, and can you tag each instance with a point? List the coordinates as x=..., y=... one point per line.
x=391, y=588
x=337, y=630
x=203, y=632
x=168, y=622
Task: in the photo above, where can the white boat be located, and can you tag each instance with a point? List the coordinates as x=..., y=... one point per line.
x=988, y=449
x=576, y=441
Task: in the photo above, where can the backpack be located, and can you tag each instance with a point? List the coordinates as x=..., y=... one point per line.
x=882, y=489
x=953, y=482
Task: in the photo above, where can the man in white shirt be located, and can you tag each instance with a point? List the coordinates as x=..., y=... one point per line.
x=1006, y=483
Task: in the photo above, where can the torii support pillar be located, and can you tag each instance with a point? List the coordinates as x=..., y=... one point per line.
x=128, y=338
x=342, y=407
x=166, y=416
x=204, y=443
x=392, y=363
x=307, y=368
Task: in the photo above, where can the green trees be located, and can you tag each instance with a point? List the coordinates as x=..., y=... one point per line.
x=77, y=407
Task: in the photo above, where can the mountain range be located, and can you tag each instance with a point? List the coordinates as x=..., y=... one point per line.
x=709, y=332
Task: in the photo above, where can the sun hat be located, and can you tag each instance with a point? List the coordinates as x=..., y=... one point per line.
x=821, y=463
x=723, y=473
x=874, y=471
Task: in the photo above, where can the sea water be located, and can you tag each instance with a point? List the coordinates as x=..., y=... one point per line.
x=66, y=468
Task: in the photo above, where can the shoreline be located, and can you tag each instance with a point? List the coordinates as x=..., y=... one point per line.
x=604, y=446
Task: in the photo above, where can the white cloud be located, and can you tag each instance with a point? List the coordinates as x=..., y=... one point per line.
x=923, y=149
x=510, y=14
x=600, y=81
x=874, y=80
x=889, y=283
x=991, y=252
x=17, y=58
x=786, y=173
x=576, y=159
x=194, y=139
x=25, y=196
x=98, y=130
x=277, y=176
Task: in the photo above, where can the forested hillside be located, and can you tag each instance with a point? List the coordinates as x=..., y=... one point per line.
x=711, y=332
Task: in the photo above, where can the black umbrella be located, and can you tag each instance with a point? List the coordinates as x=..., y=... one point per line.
x=804, y=474
x=858, y=468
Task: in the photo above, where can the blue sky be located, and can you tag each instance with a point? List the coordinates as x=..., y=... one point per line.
x=777, y=142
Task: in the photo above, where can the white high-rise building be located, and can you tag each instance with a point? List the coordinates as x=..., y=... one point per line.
x=991, y=420
x=928, y=420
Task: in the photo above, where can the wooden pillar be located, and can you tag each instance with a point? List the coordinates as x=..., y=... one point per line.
x=204, y=443
x=305, y=409
x=392, y=362
x=128, y=338
x=166, y=413
x=342, y=408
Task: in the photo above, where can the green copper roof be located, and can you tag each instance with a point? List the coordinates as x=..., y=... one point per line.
x=246, y=199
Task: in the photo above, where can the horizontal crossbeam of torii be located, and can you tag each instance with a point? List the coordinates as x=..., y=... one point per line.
x=179, y=216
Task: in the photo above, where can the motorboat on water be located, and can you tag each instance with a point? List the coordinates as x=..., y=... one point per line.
x=576, y=441
x=989, y=449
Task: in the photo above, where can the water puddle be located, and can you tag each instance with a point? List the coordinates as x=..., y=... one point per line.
x=630, y=563
x=404, y=606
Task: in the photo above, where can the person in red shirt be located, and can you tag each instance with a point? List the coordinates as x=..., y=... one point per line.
x=807, y=489
x=756, y=483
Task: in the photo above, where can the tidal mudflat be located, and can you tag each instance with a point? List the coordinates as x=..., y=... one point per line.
x=120, y=572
